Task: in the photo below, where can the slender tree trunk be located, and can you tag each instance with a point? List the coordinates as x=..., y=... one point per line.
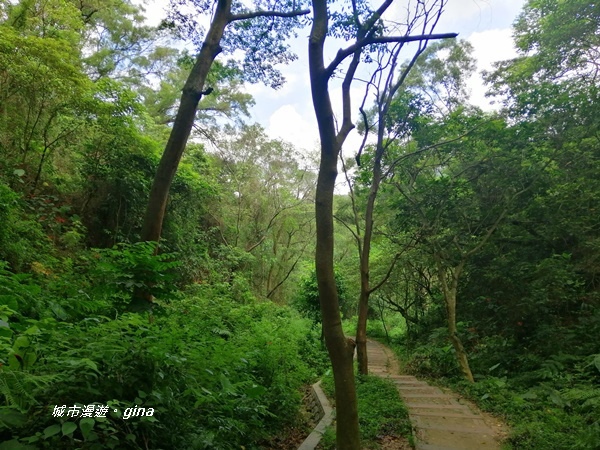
x=182, y=126
x=461, y=354
x=449, y=291
x=180, y=133
x=381, y=308
x=361, y=328
x=340, y=349
x=365, y=288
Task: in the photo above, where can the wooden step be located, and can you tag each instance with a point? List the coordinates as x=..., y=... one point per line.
x=481, y=439
x=422, y=446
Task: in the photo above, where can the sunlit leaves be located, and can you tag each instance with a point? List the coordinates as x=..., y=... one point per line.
x=257, y=44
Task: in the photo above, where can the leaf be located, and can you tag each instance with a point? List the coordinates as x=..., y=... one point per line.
x=227, y=386
x=29, y=359
x=255, y=391
x=51, y=431
x=495, y=366
x=596, y=362
x=15, y=445
x=86, y=425
x=19, y=172
x=11, y=417
x=5, y=332
x=22, y=342
x=33, y=330
x=68, y=428
x=529, y=395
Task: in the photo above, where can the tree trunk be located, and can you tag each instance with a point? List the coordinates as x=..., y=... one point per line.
x=339, y=348
x=182, y=127
x=361, y=327
x=461, y=354
x=449, y=291
x=365, y=288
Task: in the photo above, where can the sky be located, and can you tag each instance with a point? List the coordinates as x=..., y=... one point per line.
x=287, y=113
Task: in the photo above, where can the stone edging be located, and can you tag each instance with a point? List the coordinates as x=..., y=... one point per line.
x=326, y=414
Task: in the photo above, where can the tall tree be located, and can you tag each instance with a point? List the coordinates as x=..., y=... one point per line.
x=261, y=33
x=363, y=27
x=453, y=199
x=390, y=124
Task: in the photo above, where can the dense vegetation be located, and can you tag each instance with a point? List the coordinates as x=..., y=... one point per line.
x=87, y=93
x=483, y=255
x=494, y=218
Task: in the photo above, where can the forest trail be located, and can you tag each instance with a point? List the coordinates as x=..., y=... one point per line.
x=441, y=420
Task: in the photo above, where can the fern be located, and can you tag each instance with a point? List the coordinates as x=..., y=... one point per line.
x=551, y=369
x=587, y=398
x=18, y=388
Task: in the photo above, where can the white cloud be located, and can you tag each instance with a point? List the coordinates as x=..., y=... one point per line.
x=288, y=124
x=489, y=46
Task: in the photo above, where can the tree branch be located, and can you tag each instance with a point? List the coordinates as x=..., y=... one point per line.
x=344, y=53
x=387, y=275
x=254, y=14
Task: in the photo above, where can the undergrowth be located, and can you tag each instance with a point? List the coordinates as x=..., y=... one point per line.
x=381, y=412
x=218, y=373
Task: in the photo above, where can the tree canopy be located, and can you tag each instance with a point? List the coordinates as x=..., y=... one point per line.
x=468, y=238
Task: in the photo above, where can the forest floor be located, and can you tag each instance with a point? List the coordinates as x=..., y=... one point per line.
x=441, y=419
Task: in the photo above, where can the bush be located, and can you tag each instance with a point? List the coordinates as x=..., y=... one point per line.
x=218, y=375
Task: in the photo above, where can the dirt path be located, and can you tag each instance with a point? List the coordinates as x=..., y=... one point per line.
x=441, y=419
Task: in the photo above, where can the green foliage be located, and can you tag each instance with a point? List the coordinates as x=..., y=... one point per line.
x=218, y=374
x=381, y=412
x=307, y=300
x=22, y=238
x=123, y=268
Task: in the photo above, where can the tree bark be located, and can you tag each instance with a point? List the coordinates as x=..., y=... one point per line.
x=182, y=126
x=339, y=348
x=365, y=288
x=450, y=291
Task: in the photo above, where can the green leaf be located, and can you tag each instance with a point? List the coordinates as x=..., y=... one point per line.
x=33, y=330
x=86, y=425
x=68, y=428
x=495, y=366
x=529, y=395
x=15, y=445
x=51, y=431
x=22, y=342
x=255, y=391
x=227, y=386
x=11, y=417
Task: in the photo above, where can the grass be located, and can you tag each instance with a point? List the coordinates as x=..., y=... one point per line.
x=381, y=412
